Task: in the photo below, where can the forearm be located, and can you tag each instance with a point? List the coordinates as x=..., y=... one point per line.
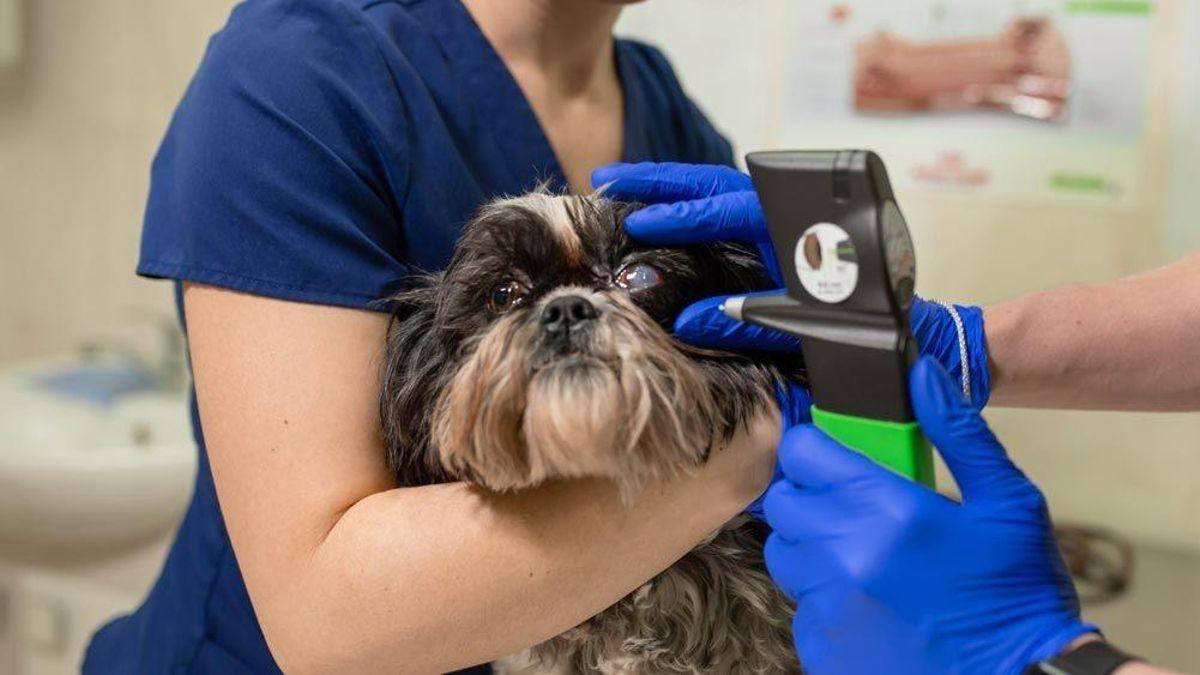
x=1130, y=344
x=436, y=578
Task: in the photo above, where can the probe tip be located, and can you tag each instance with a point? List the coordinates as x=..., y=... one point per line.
x=732, y=307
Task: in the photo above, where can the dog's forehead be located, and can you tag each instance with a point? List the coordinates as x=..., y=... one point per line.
x=580, y=226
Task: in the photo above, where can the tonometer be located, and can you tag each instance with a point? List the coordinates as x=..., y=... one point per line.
x=848, y=266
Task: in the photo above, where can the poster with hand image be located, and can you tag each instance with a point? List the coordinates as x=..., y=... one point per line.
x=960, y=95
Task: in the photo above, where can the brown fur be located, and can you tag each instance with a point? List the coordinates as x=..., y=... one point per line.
x=635, y=409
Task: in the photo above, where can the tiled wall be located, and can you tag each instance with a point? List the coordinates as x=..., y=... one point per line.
x=79, y=125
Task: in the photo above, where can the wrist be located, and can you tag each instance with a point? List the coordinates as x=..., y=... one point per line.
x=1004, y=331
x=1081, y=641
x=954, y=336
x=1090, y=654
x=1049, y=639
x=979, y=360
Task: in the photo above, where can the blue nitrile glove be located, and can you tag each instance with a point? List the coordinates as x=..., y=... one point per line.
x=690, y=204
x=696, y=203
x=937, y=336
x=890, y=577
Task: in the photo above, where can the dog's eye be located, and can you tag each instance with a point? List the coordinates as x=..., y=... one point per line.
x=639, y=277
x=506, y=296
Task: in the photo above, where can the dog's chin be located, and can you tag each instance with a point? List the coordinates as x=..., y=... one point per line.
x=588, y=416
x=571, y=415
x=630, y=411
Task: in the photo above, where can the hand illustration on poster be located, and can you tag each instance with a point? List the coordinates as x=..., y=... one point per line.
x=960, y=95
x=1025, y=70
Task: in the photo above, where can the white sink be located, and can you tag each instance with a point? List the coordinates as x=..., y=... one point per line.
x=77, y=474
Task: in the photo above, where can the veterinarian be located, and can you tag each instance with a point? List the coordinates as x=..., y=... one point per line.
x=889, y=576
x=325, y=150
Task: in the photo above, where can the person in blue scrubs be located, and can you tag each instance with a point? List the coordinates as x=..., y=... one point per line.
x=324, y=151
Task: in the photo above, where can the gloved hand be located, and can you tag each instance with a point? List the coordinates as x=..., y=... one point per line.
x=690, y=204
x=694, y=203
x=890, y=577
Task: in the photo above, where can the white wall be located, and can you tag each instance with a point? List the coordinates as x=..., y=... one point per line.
x=1138, y=473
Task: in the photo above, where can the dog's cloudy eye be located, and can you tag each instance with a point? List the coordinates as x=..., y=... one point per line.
x=506, y=296
x=639, y=277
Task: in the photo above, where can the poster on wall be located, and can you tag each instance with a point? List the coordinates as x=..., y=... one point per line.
x=1006, y=98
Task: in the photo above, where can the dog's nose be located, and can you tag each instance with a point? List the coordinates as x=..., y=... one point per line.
x=567, y=313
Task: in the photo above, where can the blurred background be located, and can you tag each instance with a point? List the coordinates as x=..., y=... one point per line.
x=1009, y=187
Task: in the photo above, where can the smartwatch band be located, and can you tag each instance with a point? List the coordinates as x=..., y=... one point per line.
x=1092, y=658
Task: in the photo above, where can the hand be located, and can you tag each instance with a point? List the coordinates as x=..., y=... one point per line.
x=691, y=203
x=794, y=408
x=892, y=577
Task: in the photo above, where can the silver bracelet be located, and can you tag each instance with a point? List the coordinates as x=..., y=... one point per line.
x=962, y=347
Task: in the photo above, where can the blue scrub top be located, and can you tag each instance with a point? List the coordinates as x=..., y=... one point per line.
x=325, y=150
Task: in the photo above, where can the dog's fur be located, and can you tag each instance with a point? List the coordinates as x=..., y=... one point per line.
x=507, y=397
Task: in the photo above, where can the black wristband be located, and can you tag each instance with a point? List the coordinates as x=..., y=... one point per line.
x=1091, y=658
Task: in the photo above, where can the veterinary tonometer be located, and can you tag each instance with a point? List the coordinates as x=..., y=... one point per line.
x=847, y=262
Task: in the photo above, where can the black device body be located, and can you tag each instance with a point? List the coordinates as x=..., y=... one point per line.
x=857, y=350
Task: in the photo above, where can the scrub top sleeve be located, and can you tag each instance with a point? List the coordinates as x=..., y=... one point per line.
x=283, y=171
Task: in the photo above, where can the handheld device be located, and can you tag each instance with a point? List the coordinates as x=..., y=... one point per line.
x=848, y=265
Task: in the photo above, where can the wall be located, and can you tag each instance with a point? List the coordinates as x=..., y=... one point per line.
x=1181, y=223
x=1137, y=473
x=79, y=123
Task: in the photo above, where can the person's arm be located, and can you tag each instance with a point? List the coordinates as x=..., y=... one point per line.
x=1129, y=344
x=348, y=574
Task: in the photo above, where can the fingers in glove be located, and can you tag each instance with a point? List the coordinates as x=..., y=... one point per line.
x=730, y=216
x=806, y=514
x=797, y=568
x=977, y=461
x=656, y=182
x=705, y=324
x=811, y=458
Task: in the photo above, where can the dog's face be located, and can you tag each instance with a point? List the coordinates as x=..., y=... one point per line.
x=544, y=351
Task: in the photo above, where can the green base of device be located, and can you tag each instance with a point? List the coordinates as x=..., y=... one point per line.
x=899, y=446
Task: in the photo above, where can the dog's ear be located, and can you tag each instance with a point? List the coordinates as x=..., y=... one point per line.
x=415, y=370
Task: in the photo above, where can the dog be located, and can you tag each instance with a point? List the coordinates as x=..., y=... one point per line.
x=543, y=352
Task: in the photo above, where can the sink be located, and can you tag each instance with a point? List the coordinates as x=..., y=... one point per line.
x=87, y=472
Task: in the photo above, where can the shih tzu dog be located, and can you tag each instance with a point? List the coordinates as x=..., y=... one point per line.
x=544, y=352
